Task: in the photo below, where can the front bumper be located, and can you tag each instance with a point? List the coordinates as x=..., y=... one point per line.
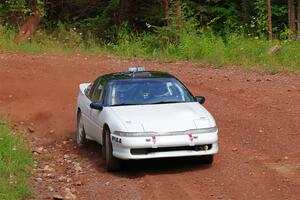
x=164, y=146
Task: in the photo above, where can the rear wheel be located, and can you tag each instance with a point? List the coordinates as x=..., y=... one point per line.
x=112, y=163
x=80, y=133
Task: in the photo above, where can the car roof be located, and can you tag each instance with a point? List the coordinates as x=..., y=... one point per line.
x=137, y=75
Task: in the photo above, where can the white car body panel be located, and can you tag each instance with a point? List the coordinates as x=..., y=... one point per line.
x=163, y=117
x=158, y=118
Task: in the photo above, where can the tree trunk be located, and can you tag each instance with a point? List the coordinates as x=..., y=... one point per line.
x=166, y=8
x=31, y=24
x=270, y=21
x=178, y=13
x=125, y=13
x=298, y=19
x=292, y=26
x=244, y=11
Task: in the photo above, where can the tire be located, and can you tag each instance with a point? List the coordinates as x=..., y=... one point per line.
x=112, y=163
x=207, y=159
x=80, y=133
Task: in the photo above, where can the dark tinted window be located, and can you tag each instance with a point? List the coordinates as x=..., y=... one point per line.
x=91, y=88
x=147, y=91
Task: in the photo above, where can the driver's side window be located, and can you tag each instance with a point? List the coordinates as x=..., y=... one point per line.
x=98, y=91
x=88, y=90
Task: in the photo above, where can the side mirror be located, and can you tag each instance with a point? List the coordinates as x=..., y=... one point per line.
x=200, y=99
x=96, y=105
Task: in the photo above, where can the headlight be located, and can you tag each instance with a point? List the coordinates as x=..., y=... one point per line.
x=149, y=134
x=133, y=134
x=203, y=130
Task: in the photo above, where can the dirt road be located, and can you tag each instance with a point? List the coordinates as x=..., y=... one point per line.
x=258, y=116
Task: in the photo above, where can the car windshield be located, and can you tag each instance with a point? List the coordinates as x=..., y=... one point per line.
x=147, y=91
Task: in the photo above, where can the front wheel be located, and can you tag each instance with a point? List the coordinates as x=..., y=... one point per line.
x=112, y=163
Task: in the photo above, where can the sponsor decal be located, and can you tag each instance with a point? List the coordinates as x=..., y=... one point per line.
x=116, y=139
x=191, y=137
x=154, y=139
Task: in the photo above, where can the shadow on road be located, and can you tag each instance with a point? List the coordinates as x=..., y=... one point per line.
x=137, y=168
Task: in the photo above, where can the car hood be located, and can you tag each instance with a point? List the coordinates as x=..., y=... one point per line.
x=164, y=117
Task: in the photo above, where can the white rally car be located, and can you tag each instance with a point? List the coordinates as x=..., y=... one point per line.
x=144, y=114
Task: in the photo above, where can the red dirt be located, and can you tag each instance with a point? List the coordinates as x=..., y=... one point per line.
x=258, y=116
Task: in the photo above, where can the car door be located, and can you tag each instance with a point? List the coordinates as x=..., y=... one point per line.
x=96, y=116
x=85, y=108
x=88, y=123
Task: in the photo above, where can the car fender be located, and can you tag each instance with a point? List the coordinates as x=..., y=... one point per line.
x=113, y=121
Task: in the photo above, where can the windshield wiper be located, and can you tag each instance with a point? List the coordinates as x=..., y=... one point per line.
x=160, y=102
x=165, y=102
x=125, y=104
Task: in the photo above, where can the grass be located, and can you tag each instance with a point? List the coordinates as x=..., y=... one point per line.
x=15, y=162
x=207, y=48
x=202, y=47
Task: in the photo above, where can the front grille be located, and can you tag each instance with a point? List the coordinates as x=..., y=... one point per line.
x=145, y=151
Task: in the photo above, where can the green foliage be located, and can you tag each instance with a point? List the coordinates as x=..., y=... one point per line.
x=13, y=11
x=204, y=46
x=259, y=22
x=98, y=25
x=189, y=43
x=220, y=38
x=103, y=18
x=61, y=40
x=261, y=18
x=15, y=159
x=222, y=16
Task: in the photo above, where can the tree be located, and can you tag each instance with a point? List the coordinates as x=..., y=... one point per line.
x=245, y=11
x=166, y=7
x=125, y=11
x=178, y=12
x=298, y=19
x=270, y=21
x=291, y=11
